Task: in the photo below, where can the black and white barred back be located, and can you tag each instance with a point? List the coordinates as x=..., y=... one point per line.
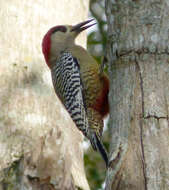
x=68, y=86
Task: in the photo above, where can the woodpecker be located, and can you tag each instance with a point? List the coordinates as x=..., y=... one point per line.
x=78, y=81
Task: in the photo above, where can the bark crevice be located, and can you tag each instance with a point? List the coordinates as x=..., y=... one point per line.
x=141, y=124
x=156, y=117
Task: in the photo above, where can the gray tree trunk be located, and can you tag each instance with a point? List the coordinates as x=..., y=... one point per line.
x=138, y=53
x=40, y=148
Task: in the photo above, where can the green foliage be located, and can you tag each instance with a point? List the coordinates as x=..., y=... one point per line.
x=95, y=169
x=97, y=39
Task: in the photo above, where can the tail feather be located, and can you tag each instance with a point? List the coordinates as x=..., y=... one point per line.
x=98, y=146
x=102, y=150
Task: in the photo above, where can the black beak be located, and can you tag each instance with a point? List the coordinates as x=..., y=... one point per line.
x=81, y=26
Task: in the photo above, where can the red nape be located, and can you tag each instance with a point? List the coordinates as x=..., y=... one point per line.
x=102, y=104
x=46, y=43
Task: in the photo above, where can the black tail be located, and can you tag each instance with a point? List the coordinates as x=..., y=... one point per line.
x=102, y=150
x=98, y=145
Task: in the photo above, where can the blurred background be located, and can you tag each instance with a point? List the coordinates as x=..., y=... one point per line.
x=96, y=43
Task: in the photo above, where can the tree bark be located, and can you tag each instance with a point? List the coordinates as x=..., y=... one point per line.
x=40, y=147
x=138, y=54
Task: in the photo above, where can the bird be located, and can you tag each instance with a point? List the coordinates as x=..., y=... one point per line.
x=78, y=81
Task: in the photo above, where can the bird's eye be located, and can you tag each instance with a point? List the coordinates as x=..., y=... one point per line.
x=59, y=28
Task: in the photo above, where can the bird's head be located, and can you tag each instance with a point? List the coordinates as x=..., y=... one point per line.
x=59, y=38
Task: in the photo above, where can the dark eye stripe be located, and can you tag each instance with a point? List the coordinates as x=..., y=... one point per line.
x=59, y=28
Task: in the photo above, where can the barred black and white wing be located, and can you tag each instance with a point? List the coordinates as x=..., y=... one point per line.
x=68, y=86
